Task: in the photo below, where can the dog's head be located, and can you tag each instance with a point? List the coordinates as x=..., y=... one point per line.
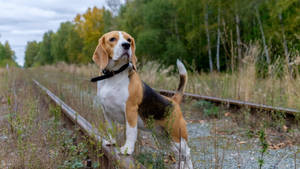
x=114, y=49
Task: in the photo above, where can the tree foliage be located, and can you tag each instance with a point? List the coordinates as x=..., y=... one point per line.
x=74, y=42
x=171, y=29
x=89, y=27
x=7, y=55
x=59, y=41
x=45, y=54
x=31, y=53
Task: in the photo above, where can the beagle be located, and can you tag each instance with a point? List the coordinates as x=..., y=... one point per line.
x=124, y=97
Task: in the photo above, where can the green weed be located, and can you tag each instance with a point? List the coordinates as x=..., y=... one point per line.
x=264, y=147
x=151, y=160
x=209, y=109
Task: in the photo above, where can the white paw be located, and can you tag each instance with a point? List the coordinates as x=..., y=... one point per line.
x=187, y=164
x=109, y=143
x=126, y=149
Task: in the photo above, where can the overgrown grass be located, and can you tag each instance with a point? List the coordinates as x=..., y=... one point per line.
x=32, y=133
x=71, y=84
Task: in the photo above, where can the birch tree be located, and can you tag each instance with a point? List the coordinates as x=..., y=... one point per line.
x=262, y=36
x=208, y=38
x=284, y=43
x=218, y=38
x=238, y=36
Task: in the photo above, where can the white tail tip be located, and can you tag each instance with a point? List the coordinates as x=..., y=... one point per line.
x=181, y=67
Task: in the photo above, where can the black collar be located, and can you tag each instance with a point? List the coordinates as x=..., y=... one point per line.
x=108, y=74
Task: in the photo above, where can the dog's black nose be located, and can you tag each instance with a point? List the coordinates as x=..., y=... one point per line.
x=126, y=45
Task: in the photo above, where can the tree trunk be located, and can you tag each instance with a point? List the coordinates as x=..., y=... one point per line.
x=208, y=39
x=238, y=36
x=218, y=40
x=286, y=50
x=225, y=39
x=232, y=52
x=263, y=36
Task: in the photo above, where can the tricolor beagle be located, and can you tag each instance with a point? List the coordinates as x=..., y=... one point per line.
x=124, y=97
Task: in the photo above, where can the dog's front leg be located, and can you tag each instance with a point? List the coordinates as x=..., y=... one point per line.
x=131, y=117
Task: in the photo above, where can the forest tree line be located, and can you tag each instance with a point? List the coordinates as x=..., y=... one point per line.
x=7, y=55
x=208, y=35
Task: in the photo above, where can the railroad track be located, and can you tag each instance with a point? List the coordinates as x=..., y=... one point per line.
x=231, y=102
x=127, y=162
x=111, y=154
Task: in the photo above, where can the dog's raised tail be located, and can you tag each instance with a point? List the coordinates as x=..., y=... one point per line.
x=182, y=84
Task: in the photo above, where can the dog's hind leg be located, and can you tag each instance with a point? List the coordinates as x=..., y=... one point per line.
x=182, y=149
x=180, y=146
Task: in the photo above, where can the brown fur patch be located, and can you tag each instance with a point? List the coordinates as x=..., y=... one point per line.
x=100, y=56
x=107, y=44
x=175, y=123
x=135, y=98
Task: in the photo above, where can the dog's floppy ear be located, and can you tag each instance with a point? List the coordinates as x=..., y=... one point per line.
x=133, y=57
x=100, y=56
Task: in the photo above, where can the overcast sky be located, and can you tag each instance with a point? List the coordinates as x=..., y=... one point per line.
x=27, y=20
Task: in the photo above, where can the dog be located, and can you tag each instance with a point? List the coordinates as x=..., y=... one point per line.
x=125, y=98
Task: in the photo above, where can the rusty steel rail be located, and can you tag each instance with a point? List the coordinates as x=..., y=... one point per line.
x=126, y=162
x=232, y=102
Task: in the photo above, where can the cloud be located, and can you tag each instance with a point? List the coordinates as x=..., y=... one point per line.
x=12, y=13
x=27, y=20
x=27, y=32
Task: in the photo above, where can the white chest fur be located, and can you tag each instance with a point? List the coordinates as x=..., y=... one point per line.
x=113, y=94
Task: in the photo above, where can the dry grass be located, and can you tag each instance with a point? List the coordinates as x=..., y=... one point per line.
x=241, y=85
x=32, y=134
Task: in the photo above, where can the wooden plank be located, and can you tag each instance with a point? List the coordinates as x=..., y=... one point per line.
x=126, y=162
x=232, y=102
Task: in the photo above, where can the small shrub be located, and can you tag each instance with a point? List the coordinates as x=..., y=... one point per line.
x=77, y=154
x=151, y=160
x=209, y=109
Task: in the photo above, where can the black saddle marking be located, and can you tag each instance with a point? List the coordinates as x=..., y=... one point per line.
x=154, y=105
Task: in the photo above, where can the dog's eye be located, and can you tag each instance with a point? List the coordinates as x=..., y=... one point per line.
x=129, y=40
x=112, y=39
